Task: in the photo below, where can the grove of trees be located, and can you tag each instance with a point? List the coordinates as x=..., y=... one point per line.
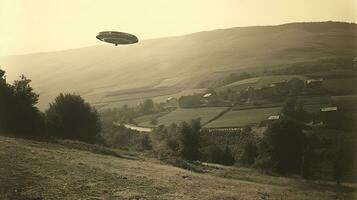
x=18, y=113
x=68, y=117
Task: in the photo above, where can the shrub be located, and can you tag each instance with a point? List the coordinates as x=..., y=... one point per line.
x=70, y=117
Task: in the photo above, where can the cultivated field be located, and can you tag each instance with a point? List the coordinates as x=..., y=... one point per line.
x=242, y=118
x=133, y=99
x=341, y=85
x=73, y=170
x=262, y=81
x=187, y=114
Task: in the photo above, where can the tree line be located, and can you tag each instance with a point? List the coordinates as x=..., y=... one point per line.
x=68, y=117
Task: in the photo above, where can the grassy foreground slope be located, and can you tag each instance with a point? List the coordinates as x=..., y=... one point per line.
x=36, y=170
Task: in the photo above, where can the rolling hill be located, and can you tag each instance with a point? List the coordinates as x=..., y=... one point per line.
x=107, y=74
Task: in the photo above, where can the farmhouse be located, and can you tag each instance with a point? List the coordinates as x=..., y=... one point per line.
x=210, y=99
x=274, y=117
x=328, y=115
x=172, y=101
x=207, y=95
x=280, y=84
x=314, y=82
x=329, y=109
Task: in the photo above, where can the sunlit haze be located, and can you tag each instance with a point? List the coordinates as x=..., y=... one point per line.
x=50, y=25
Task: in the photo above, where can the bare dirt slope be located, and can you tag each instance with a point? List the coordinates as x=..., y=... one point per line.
x=37, y=170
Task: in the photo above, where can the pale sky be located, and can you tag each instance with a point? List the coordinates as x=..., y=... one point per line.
x=28, y=26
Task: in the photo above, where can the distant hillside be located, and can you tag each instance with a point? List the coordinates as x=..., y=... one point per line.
x=173, y=64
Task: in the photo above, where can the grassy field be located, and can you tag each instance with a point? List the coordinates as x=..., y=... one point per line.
x=341, y=85
x=73, y=170
x=241, y=118
x=262, y=81
x=135, y=98
x=333, y=74
x=187, y=114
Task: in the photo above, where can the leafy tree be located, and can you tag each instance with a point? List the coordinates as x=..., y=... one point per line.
x=283, y=146
x=6, y=99
x=190, y=101
x=216, y=155
x=250, y=153
x=70, y=117
x=153, y=122
x=345, y=143
x=296, y=86
x=18, y=113
x=344, y=156
x=189, y=140
x=147, y=106
x=146, y=142
x=25, y=111
x=293, y=109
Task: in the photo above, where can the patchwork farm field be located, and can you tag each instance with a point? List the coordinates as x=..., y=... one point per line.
x=263, y=81
x=242, y=118
x=187, y=114
x=341, y=85
x=159, y=95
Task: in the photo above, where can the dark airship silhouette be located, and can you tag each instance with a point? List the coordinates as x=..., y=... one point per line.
x=116, y=37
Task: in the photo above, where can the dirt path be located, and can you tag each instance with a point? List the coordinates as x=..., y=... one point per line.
x=36, y=170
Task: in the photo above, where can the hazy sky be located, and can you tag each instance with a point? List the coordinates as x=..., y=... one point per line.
x=47, y=25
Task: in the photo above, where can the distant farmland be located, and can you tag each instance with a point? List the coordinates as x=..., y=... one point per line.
x=187, y=114
x=341, y=85
x=242, y=118
x=262, y=81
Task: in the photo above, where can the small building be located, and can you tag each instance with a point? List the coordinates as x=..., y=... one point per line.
x=311, y=82
x=172, y=101
x=329, y=109
x=210, y=99
x=279, y=84
x=207, y=95
x=329, y=116
x=274, y=117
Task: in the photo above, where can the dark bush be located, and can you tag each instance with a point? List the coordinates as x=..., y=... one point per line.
x=70, y=117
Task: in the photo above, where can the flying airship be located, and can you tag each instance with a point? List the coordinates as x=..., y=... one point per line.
x=116, y=37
